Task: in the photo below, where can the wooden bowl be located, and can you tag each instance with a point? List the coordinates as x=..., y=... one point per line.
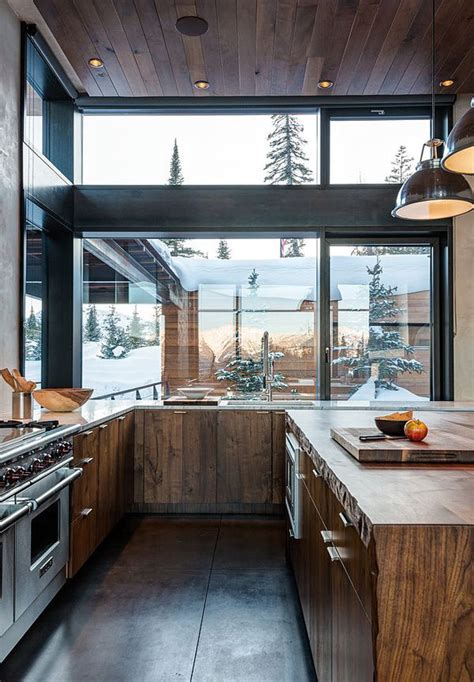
x=391, y=427
x=62, y=399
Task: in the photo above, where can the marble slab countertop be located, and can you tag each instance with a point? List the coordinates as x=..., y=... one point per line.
x=96, y=412
x=388, y=494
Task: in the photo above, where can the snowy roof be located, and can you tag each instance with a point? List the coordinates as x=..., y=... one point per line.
x=409, y=275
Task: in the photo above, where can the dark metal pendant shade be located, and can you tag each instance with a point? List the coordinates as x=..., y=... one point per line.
x=459, y=151
x=432, y=193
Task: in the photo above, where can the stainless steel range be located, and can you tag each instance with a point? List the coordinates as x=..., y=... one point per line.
x=35, y=475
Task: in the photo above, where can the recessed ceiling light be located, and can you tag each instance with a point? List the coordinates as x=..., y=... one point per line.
x=201, y=85
x=325, y=84
x=96, y=62
x=192, y=26
x=447, y=83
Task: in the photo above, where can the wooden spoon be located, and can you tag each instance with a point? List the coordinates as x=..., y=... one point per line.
x=7, y=376
x=22, y=383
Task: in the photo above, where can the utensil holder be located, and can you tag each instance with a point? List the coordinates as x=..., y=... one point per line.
x=22, y=405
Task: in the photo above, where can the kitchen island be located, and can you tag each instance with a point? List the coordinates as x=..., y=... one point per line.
x=383, y=556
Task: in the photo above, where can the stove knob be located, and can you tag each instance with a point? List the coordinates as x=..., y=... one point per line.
x=37, y=465
x=8, y=476
x=19, y=474
x=63, y=448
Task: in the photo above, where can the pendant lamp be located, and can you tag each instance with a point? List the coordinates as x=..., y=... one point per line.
x=459, y=150
x=431, y=193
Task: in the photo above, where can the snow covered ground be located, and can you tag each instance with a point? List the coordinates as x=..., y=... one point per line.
x=141, y=366
x=367, y=392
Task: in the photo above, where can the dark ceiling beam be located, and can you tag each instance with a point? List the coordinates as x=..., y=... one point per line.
x=218, y=105
x=157, y=211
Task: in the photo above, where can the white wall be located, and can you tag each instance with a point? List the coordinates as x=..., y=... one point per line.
x=10, y=46
x=464, y=292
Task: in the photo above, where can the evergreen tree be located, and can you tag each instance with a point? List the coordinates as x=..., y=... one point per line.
x=176, y=174
x=92, y=327
x=401, y=166
x=294, y=249
x=246, y=374
x=388, y=250
x=115, y=343
x=135, y=331
x=178, y=247
x=287, y=162
x=383, y=343
x=223, y=250
x=32, y=337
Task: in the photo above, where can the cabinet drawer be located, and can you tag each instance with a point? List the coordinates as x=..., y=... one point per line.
x=315, y=484
x=84, y=489
x=355, y=557
x=82, y=540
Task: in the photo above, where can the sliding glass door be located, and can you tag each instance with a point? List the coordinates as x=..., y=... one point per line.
x=380, y=322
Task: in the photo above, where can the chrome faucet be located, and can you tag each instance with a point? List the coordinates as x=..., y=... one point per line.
x=267, y=368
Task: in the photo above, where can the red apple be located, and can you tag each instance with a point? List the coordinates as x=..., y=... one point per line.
x=416, y=430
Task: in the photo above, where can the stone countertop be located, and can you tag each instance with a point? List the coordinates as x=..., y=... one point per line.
x=388, y=494
x=96, y=412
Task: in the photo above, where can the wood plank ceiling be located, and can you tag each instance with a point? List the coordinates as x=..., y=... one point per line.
x=265, y=47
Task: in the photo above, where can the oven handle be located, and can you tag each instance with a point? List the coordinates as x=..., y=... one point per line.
x=67, y=480
x=27, y=508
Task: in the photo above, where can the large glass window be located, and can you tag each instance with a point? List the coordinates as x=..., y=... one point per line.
x=179, y=312
x=380, y=323
x=33, y=303
x=34, y=118
x=203, y=150
x=375, y=151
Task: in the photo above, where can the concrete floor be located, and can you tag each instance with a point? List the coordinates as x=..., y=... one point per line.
x=207, y=600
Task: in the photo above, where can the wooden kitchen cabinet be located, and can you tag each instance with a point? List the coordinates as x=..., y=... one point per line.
x=339, y=629
x=107, y=489
x=180, y=457
x=244, y=457
x=100, y=497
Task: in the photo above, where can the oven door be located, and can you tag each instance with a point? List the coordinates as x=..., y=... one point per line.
x=292, y=484
x=7, y=558
x=42, y=538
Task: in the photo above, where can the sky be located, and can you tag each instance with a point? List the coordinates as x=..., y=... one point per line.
x=232, y=149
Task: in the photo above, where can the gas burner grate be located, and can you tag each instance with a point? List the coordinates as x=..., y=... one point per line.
x=11, y=424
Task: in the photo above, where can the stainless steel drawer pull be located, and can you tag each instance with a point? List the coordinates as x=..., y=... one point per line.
x=103, y=426
x=316, y=474
x=87, y=433
x=345, y=521
x=86, y=512
x=262, y=411
x=83, y=462
x=121, y=419
x=334, y=556
x=179, y=411
x=326, y=536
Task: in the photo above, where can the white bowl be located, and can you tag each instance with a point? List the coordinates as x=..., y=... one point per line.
x=195, y=392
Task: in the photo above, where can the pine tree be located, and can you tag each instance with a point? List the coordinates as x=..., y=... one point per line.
x=223, y=250
x=32, y=337
x=401, y=166
x=135, y=331
x=383, y=343
x=115, y=344
x=245, y=375
x=287, y=162
x=176, y=174
x=295, y=248
x=178, y=247
x=92, y=327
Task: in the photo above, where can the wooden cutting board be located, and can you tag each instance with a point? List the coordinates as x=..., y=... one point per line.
x=440, y=446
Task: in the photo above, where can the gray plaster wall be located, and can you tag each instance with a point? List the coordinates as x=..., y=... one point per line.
x=10, y=49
